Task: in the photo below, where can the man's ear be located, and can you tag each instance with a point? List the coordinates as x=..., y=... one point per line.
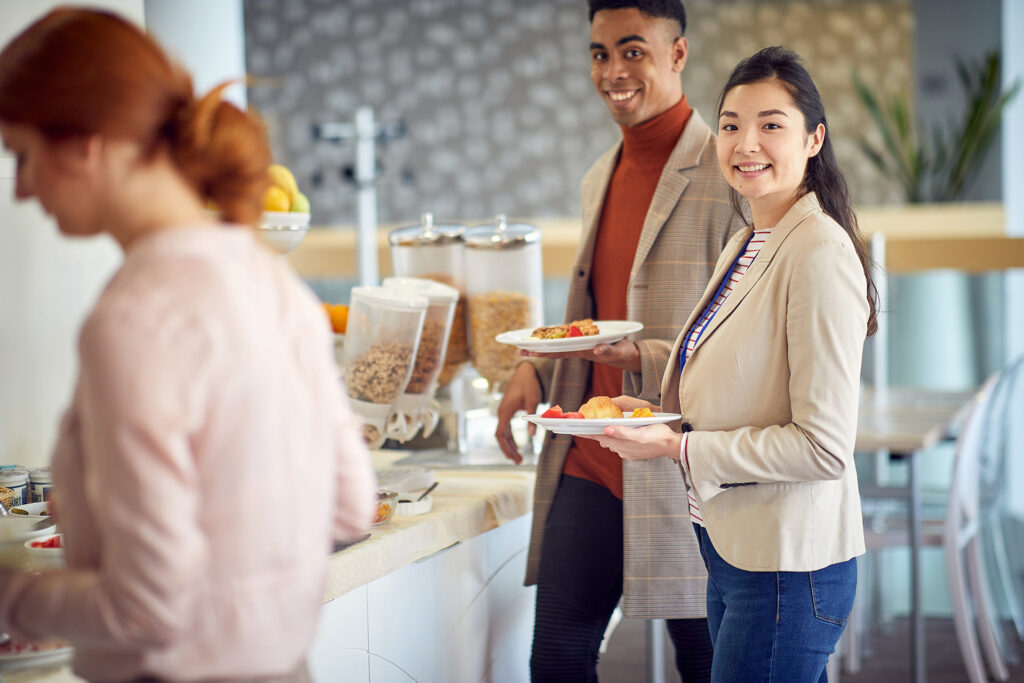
x=680, y=51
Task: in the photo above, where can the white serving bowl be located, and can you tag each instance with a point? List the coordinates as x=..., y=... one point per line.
x=44, y=558
x=15, y=527
x=283, y=230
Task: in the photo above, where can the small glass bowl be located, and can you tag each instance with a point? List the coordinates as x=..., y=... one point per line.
x=387, y=501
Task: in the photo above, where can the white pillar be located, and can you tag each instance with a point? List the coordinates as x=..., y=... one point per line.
x=208, y=38
x=1013, y=204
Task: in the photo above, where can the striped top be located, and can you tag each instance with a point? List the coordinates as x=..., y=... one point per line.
x=736, y=271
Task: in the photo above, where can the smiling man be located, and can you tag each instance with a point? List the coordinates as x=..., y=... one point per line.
x=656, y=214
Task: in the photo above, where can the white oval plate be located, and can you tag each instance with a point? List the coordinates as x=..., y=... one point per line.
x=610, y=332
x=31, y=660
x=561, y=425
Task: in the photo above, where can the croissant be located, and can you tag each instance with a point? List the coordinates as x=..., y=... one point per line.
x=600, y=408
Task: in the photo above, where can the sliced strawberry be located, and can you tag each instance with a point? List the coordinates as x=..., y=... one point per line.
x=553, y=411
x=574, y=332
x=573, y=416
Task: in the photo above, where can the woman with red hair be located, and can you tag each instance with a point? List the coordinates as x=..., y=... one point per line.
x=206, y=394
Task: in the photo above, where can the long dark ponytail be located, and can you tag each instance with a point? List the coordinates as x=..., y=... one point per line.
x=823, y=176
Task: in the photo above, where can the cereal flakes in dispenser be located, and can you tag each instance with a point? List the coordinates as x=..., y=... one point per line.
x=434, y=251
x=381, y=341
x=416, y=406
x=503, y=284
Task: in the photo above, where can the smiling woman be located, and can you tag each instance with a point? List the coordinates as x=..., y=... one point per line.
x=763, y=148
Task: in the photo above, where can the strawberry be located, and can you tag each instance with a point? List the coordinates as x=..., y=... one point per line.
x=553, y=411
x=574, y=332
x=573, y=416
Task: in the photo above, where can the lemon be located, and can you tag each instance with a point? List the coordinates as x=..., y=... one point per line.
x=283, y=178
x=276, y=199
x=300, y=203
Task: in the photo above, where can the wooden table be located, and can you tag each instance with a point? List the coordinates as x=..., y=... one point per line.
x=904, y=422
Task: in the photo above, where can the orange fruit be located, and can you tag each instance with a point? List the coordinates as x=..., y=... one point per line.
x=338, y=315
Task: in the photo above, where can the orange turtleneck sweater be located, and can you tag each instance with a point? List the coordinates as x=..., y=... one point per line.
x=645, y=149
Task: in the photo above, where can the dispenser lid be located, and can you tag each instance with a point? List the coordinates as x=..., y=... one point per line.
x=396, y=299
x=434, y=291
x=426, y=233
x=501, y=234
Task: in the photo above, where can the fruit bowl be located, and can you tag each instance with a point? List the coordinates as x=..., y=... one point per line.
x=42, y=556
x=283, y=230
x=387, y=501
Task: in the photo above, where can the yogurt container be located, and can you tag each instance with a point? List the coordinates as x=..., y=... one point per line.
x=40, y=484
x=15, y=477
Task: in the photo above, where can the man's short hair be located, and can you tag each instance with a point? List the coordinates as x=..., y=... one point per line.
x=662, y=9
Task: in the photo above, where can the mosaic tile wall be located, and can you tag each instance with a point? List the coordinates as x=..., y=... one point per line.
x=495, y=95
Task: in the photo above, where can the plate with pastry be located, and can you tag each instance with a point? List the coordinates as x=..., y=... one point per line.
x=578, y=335
x=594, y=415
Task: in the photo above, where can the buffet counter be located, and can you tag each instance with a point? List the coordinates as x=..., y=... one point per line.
x=467, y=503
x=432, y=597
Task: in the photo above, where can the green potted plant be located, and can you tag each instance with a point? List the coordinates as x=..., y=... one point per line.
x=937, y=165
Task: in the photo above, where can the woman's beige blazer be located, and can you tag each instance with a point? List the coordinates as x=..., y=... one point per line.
x=771, y=392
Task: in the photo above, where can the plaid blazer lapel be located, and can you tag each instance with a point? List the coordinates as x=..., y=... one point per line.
x=685, y=155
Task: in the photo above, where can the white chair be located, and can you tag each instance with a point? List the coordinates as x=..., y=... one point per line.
x=973, y=614
x=1006, y=404
x=958, y=532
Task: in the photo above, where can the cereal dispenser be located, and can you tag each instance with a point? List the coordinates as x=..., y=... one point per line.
x=434, y=251
x=503, y=286
x=416, y=406
x=383, y=336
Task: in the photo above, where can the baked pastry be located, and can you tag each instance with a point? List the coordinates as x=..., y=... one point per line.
x=552, y=332
x=577, y=328
x=600, y=408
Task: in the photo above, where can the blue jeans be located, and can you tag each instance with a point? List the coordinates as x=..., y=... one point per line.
x=775, y=627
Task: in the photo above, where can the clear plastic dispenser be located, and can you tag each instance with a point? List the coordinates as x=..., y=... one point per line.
x=381, y=342
x=503, y=286
x=435, y=251
x=416, y=407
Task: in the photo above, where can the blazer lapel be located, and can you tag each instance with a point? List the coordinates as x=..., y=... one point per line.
x=671, y=185
x=729, y=253
x=802, y=209
x=592, y=200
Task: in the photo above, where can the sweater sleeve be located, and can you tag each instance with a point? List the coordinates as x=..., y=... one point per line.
x=646, y=384
x=355, y=480
x=135, y=412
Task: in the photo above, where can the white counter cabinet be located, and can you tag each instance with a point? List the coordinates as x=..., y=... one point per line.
x=461, y=614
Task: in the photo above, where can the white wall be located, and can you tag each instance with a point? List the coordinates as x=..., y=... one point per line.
x=207, y=37
x=47, y=284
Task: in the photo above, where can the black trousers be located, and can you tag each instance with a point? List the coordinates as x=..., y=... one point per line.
x=579, y=585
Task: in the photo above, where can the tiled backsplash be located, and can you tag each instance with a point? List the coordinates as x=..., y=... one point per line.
x=499, y=110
